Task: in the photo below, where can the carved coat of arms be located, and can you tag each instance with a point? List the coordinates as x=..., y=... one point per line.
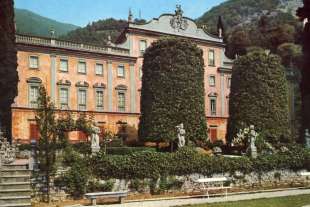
x=178, y=22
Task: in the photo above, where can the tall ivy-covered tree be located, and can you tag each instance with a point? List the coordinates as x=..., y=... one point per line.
x=304, y=13
x=259, y=97
x=45, y=119
x=172, y=92
x=8, y=64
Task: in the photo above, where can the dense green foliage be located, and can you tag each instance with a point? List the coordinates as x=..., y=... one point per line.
x=233, y=13
x=259, y=97
x=30, y=23
x=172, y=92
x=290, y=201
x=8, y=65
x=45, y=119
x=304, y=13
x=98, y=32
x=187, y=161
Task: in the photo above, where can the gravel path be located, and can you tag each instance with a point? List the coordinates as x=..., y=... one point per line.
x=186, y=201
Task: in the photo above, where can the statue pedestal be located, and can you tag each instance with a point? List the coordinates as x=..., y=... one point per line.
x=95, y=150
x=254, y=153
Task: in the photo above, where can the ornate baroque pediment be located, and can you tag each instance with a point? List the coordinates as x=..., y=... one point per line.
x=175, y=24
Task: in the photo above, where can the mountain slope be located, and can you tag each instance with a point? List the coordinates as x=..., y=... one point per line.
x=98, y=32
x=240, y=12
x=30, y=23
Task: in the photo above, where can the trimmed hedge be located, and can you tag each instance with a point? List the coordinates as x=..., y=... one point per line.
x=128, y=150
x=259, y=97
x=172, y=92
x=187, y=161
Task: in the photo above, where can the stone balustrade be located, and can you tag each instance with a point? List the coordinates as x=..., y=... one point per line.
x=50, y=42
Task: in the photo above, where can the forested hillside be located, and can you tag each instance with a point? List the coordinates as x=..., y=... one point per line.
x=30, y=23
x=98, y=32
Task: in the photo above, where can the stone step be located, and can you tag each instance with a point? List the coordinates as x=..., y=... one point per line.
x=14, y=192
x=14, y=178
x=15, y=185
x=15, y=167
x=15, y=200
x=9, y=172
x=17, y=205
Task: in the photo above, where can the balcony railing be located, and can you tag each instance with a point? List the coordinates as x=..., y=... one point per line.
x=69, y=45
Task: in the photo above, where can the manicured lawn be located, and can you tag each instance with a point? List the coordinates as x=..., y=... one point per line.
x=291, y=201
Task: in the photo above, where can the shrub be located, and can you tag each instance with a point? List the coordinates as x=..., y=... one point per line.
x=172, y=92
x=76, y=179
x=95, y=186
x=154, y=165
x=128, y=150
x=259, y=97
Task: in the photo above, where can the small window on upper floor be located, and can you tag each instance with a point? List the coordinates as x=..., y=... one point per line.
x=121, y=71
x=82, y=67
x=211, y=58
x=99, y=69
x=63, y=65
x=33, y=62
x=212, y=80
x=143, y=45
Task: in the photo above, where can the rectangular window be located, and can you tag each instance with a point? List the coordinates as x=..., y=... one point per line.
x=140, y=73
x=81, y=99
x=64, y=98
x=142, y=46
x=213, y=106
x=121, y=71
x=99, y=99
x=33, y=96
x=212, y=80
x=121, y=101
x=228, y=82
x=211, y=58
x=99, y=69
x=82, y=67
x=63, y=65
x=34, y=62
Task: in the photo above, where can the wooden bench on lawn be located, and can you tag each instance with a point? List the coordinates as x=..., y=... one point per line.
x=93, y=196
x=216, y=183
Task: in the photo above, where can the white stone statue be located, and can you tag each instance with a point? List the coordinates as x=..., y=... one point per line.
x=181, y=135
x=253, y=136
x=95, y=147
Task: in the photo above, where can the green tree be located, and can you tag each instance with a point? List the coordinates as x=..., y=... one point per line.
x=45, y=118
x=259, y=97
x=172, y=92
x=238, y=41
x=291, y=55
x=8, y=64
x=304, y=13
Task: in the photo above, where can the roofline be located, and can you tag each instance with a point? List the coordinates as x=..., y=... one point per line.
x=136, y=30
x=53, y=50
x=169, y=14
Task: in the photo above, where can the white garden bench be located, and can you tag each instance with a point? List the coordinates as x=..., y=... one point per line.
x=208, y=184
x=93, y=196
x=305, y=173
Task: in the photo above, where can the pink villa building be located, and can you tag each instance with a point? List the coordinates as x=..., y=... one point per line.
x=105, y=82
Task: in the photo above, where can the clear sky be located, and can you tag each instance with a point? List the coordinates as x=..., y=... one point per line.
x=81, y=12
